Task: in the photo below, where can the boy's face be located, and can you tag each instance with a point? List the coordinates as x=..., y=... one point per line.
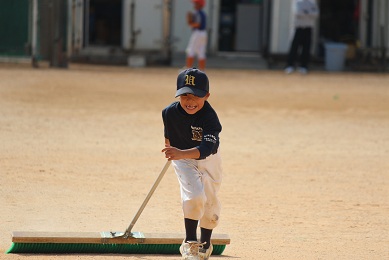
x=191, y=103
x=198, y=6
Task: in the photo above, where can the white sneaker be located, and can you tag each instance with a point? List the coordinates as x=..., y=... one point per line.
x=289, y=70
x=190, y=250
x=205, y=253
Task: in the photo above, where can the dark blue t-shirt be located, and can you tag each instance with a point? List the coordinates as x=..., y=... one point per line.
x=186, y=131
x=201, y=18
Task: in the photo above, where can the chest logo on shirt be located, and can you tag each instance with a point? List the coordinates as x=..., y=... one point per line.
x=197, y=133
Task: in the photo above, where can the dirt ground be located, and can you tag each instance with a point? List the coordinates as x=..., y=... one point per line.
x=306, y=169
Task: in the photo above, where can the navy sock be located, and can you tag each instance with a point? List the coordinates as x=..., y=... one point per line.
x=191, y=229
x=206, y=237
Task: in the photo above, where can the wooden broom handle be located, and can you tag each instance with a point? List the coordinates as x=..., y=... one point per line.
x=156, y=183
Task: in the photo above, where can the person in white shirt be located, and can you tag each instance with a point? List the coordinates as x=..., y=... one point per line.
x=306, y=12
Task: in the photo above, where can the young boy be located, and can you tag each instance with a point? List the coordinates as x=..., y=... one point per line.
x=191, y=130
x=198, y=40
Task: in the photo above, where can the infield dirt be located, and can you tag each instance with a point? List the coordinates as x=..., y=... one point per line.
x=306, y=169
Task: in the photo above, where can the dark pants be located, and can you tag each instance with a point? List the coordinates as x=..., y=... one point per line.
x=302, y=39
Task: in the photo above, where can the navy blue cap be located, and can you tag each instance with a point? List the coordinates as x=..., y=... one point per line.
x=192, y=81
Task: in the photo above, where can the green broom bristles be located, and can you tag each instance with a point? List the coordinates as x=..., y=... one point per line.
x=73, y=248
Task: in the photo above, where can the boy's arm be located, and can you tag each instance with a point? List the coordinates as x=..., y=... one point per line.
x=189, y=18
x=191, y=21
x=172, y=153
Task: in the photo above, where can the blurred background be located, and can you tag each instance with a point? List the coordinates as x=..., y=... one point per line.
x=242, y=33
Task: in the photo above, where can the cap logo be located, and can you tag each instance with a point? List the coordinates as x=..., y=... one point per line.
x=190, y=80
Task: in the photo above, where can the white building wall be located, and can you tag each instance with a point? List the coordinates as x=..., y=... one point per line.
x=147, y=22
x=180, y=31
x=380, y=20
x=281, y=26
x=213, y=9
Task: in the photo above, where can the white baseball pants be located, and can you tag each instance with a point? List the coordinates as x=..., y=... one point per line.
x=197, y=44
x=200, y=182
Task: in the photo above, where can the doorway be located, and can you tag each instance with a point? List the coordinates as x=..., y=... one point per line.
x=339, y=22
x=103, y=23
x=242, y=25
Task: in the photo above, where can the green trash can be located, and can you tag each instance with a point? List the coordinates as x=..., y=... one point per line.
x=335, y=54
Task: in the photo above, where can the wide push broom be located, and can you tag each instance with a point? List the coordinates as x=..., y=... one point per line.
x=126, y=242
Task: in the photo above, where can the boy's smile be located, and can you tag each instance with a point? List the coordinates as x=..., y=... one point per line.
x=191, y=103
